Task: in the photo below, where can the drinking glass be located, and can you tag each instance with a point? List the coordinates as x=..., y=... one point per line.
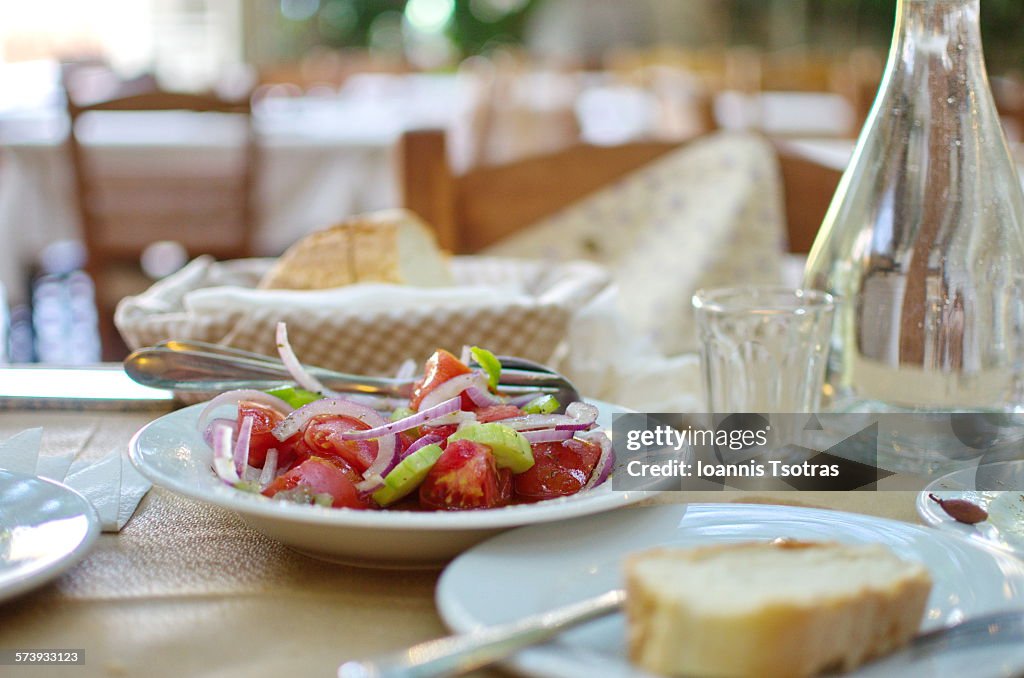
x=763, y=348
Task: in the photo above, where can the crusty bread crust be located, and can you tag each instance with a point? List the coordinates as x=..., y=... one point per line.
x=365, y=248
x=779, y=639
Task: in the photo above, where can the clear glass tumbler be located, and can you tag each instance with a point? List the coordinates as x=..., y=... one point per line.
x=763, y=348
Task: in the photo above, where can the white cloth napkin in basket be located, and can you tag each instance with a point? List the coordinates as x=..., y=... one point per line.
x=512, y=307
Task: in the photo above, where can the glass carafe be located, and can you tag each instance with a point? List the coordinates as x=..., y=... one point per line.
x=923, y=244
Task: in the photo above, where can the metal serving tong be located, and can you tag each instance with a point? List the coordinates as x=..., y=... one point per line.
x=183, y=365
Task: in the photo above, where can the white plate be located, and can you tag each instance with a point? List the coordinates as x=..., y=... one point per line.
x=1005, y=524
x=537, y=568
x=172, y=454
x=45, y=528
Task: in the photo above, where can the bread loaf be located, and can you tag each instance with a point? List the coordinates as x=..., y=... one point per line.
x=391, y=246
x=770, y=609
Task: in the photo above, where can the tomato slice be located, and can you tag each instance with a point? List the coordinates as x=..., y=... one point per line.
x=264, y=420
x=464, y=477
x=322, y=437
x=443, y=431
x=559, y=469
x=292, y=452
x=439, y=368
x=403, y=441
x=497, y=413
x=321, y=476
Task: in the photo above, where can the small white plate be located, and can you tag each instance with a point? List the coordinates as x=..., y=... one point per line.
x=1005, y=524
x=45, y=528
x=538, y=568
x=172, y=454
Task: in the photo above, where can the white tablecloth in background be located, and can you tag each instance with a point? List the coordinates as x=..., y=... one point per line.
x=321, y=159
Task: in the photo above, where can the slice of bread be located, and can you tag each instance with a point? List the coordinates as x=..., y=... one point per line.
x=391, y=246
x=770, y=609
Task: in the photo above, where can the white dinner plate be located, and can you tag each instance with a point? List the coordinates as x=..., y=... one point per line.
x=538, y=568
x=1005, y=524
x=45, y=528
x=172, y=454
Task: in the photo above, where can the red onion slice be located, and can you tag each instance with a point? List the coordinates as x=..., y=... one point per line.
x=295, y=421
x=407, y=370
x=422, y=417
x=482, y=397
x=241, y=456
x=605, y=463
x=460, y=417
x=251, y=474
x=579, y=416
x=223, y=456
x=373, y=478
x=526, y=398
x=269, y=471
x=584, y=414
x=242, y=395
x=547, y=435
x=420, y=443
x=294, y=367
x=367, y=488
x=453, y=387
x=535, y=421
x=208, y=433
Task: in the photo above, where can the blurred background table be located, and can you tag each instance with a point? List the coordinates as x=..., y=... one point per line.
x=334, y=83
x=321, y=158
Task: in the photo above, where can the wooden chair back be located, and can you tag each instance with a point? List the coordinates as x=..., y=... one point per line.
x=87, y=82
x=122, y=212
x=484, y=205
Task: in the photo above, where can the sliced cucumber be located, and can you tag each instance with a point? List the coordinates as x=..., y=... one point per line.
x=511, y=450
x=545, y=404
x=407, y=475
x=402, y=413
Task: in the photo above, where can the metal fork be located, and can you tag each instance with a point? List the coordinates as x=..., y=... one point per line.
x=183, y=365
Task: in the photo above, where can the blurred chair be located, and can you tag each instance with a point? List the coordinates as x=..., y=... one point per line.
x=792, y=93
x=680, y=85
x=125, y=211
x=91, y=81
x=327, y=67
x=857, y=78
x=484, y=205
x=522, y=108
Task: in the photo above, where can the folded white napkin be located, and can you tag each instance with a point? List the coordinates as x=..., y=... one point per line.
x=607, y=360
x=708, y=215
x=111, y=484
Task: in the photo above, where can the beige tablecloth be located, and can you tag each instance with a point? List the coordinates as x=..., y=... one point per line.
x=188, y=590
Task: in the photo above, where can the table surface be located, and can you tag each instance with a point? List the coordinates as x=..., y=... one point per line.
x=187, y=589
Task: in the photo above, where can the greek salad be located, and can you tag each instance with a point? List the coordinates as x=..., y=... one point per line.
x=458, y=443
